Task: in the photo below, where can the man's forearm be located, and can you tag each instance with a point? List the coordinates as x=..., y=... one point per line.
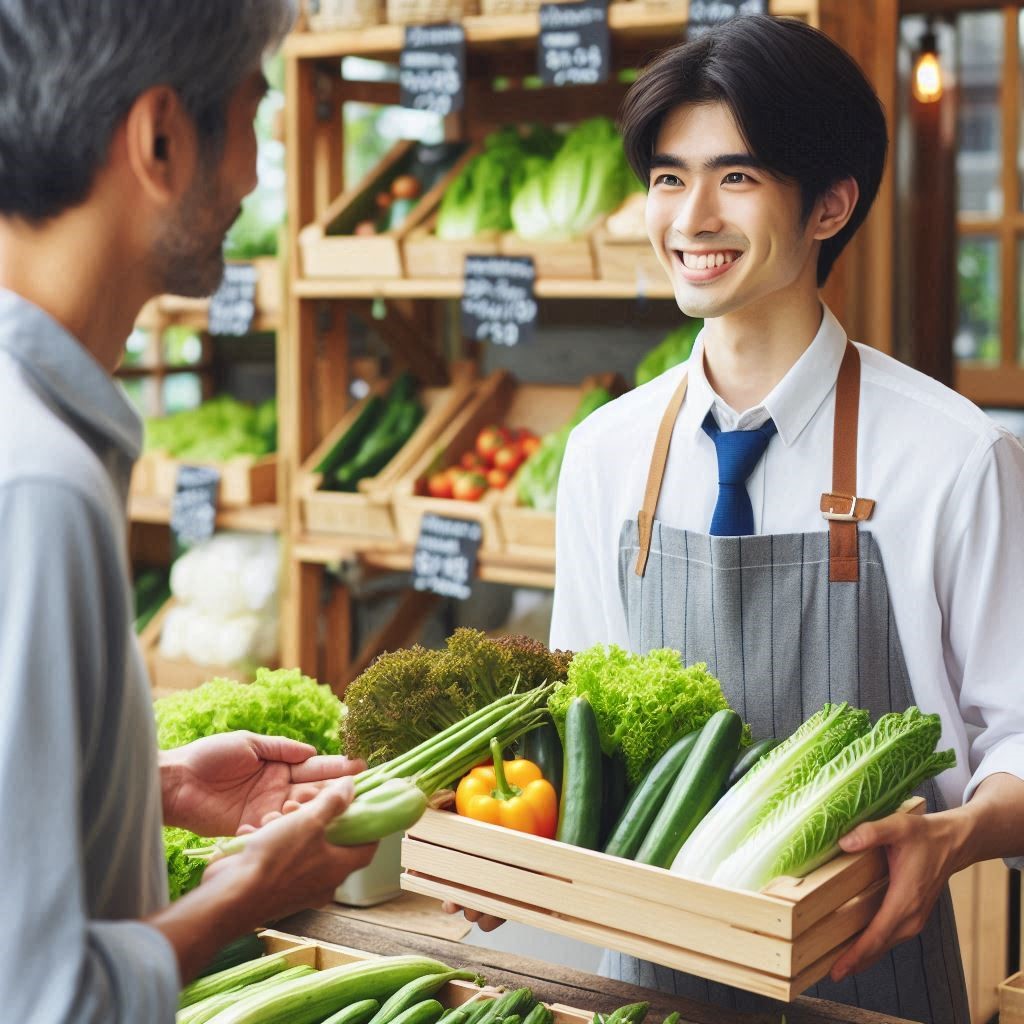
x=170, y=781
x=203, y=921
x=992, y=821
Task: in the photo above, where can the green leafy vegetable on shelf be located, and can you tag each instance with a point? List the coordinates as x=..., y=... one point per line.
x=672, y=351
x=869, y=778
x=152, y=591
x=408, y=696
x=217, y=430
x=280, y=702
x=643, y=703
x=537, y=480
x=183, y=873
x=788, y=767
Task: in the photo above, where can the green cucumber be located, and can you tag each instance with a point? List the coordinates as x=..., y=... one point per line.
x=748, y=758
x=208, y=1009
x=417, y=990
x=355, y=1013
x=247, y=973
x=614, y=792
x=636, y=819
x=695, y=790
x=540, y=1014
x=392, y=807
x=512, y=1018
x=475, y=1008
x=349, y=443
x=516, y=1001
x=426, y=1011
x=240, y=951
x=543, y=747
x=579, y=810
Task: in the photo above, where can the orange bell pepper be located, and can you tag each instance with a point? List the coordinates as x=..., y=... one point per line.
x=513, y=794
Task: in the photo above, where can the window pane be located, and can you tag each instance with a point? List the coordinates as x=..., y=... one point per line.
x=980, y=59
x=977, y=336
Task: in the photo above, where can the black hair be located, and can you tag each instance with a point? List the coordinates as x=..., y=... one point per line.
x=803, y=106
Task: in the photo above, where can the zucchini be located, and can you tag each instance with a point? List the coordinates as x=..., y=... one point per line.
x=308, y=1000
x=348, y=444
x=579, y=810
x=540, y=1014
x=516, y=1001
x=695, y=790
x=614, y=791
x=207, y=1009
x=426, y=1011
x=418, y=990
x=392, y=807
x=245, y=948
x=632, y=1013
x=475, y=1010
x=233, y=978
x=748, y=758
x=543, y=747
x=647, y=799
x=355, y=1013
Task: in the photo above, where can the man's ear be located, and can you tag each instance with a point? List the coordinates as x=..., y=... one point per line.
x=835, y=208
x=161, y=144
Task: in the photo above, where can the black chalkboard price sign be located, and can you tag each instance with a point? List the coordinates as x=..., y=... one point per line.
x=233, y=305
x=573, y=46
x=194, y=508
x=706, y=14
x=432, y=69
x=498, y=304
x=445, y=559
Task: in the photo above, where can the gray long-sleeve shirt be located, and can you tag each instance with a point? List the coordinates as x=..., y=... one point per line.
x=81, y=858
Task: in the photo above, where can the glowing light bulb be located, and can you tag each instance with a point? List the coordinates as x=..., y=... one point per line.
x=927, y=85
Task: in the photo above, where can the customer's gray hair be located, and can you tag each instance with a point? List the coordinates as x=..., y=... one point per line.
x=70, y=71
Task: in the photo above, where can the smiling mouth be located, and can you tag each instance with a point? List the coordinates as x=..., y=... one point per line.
x=707, y=260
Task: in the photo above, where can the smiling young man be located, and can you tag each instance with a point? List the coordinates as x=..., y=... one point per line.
x=809, y=517
x=126, y=148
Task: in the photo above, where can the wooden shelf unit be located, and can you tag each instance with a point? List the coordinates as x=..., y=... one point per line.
x=313, y=369
x=256, y=519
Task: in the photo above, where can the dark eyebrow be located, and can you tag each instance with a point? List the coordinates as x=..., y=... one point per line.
x=666, y=161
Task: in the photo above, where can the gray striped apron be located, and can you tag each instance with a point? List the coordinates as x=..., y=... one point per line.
x=788, y=622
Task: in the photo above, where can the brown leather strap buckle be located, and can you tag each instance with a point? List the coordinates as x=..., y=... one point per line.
x=846, y=508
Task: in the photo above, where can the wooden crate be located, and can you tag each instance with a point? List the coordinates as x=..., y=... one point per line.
x=572, y=259
x=626, y=259
x=143, y=481
x=368, y=513
x=344, y=15
x=343, y=254
x=529, y=532
x=499, y=399
x=429, y=12
x=244, y=481
x=775, y=943
x=427, y=256
x=322, y=955
x=1011, y=1000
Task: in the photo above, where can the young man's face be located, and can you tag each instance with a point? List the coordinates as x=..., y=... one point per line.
x=189, y=255
x=727, y=232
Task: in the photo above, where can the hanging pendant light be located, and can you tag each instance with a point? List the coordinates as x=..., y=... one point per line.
x=927, y=77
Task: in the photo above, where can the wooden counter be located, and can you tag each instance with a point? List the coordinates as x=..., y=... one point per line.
x=552, y=982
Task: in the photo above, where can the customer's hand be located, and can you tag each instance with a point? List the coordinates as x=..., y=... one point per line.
x=288, y=865
x=219, y=784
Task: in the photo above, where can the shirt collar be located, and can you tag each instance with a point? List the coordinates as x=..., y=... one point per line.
x=68, y=375
x=793, y=401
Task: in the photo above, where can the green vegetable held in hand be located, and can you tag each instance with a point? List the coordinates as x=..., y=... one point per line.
x=184, y=873
x=786, y=769
x=643, y=703
x=867, y=779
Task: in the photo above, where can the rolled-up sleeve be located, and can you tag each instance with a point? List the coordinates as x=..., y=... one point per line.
x=980, y=581
x=58, y=657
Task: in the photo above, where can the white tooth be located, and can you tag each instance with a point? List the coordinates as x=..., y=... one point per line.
x=719, y=259
x=702, y=262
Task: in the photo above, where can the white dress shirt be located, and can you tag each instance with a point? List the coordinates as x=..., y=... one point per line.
x=949, y=487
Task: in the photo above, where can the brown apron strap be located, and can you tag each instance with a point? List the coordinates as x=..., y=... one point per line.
x=842, y=508
x=645, y=517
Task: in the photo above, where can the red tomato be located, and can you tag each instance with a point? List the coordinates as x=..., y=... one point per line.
x=471, y=461
x=498, y=479
x=440, y=485
x=488, y=441
x=529, y=445
x=508, y=458
x=470, y=487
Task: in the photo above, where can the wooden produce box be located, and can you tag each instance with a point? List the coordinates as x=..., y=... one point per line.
x=368, y=513
x=530, y=532
x=572, y=259
x=499, y=399
x=323, y=955
x=244, y=481
x=143, y=481
x=776, y=942
x=1011, y=1000
x=631, y=259
x=328, y=248
x=427, y=256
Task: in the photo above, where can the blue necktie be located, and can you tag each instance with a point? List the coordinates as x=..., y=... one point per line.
x=739, y=451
